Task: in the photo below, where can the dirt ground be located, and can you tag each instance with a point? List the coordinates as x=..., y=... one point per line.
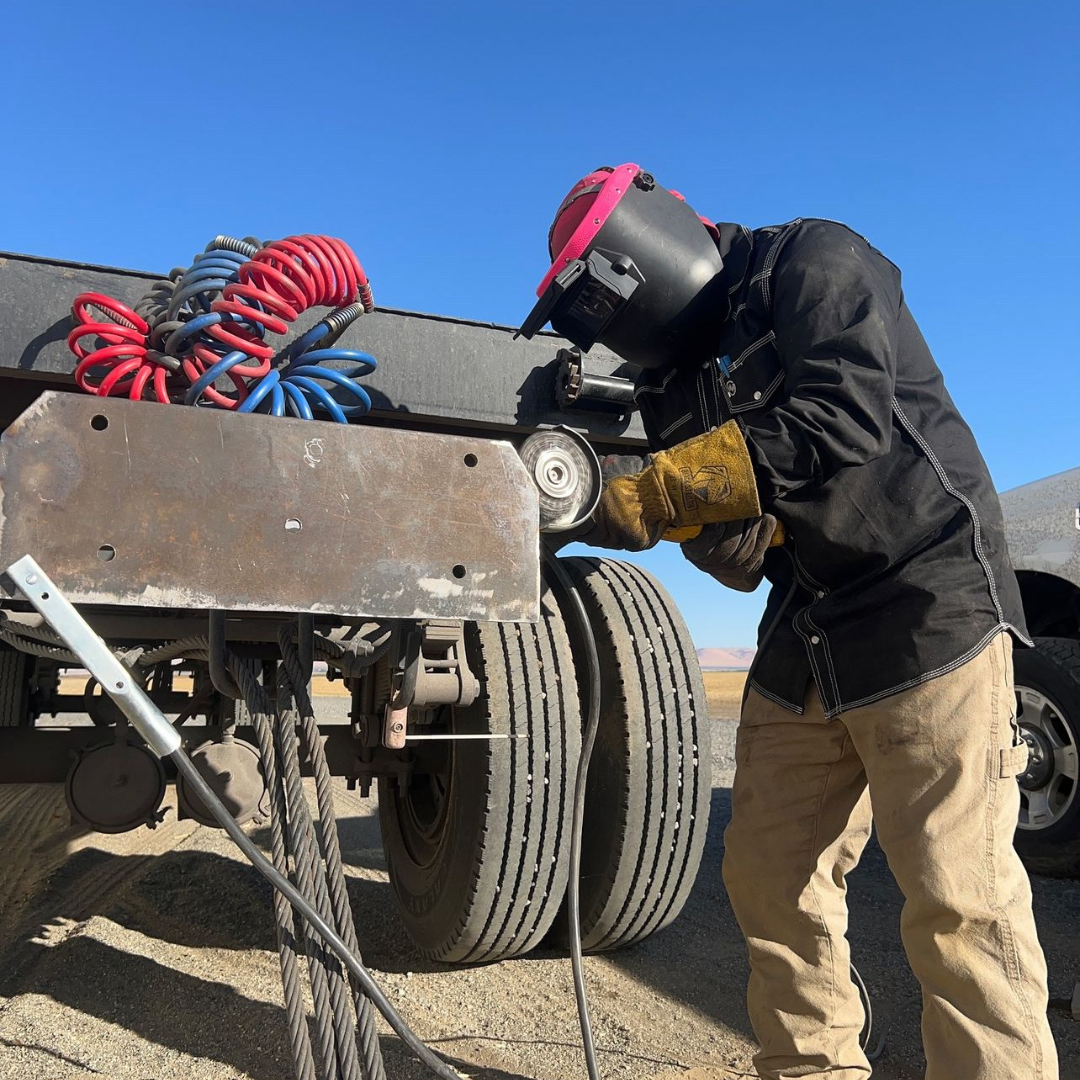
x=151, y=954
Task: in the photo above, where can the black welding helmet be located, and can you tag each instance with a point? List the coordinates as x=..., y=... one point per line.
x=634, y=268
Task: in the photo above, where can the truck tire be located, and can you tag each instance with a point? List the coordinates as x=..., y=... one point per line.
x=15, y=671
x=478, y=851
x=647, y=802
x=1048, y=713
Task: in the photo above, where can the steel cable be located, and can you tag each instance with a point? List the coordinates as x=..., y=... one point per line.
x=291, y=980
x=336, y=1029
x=293, y=833
x=370, y=1048
x=37, y=648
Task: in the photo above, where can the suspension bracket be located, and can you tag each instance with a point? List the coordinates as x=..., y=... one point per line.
x=429, y=667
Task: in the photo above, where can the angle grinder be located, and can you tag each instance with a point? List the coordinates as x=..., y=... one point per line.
x=568, y=477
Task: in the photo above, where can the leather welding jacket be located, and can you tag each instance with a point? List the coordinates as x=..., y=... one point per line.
x=894, y=568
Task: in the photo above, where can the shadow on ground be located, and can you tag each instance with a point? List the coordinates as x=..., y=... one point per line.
x=199, y=899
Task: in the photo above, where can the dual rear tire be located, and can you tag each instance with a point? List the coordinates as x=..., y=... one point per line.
x=478, y=848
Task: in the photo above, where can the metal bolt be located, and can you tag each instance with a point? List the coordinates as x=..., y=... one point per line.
x=815, y=640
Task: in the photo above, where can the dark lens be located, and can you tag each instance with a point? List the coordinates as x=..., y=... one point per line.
x=595, y=303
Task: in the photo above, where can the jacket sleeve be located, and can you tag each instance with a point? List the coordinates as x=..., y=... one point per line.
x=836, y=303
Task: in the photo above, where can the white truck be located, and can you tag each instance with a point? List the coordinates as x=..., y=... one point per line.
x=1042, y=521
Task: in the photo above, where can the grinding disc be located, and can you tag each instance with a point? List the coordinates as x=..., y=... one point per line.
x=566, y=472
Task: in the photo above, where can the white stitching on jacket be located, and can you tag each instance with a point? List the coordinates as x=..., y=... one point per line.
x=766, y=394
x=822, y=691
x=770, y=336
x=829, y=662
x=770, y=261
x=656, y=389
x=776, y=698
x=678, y=423
x=943, y=670
x=948, y=485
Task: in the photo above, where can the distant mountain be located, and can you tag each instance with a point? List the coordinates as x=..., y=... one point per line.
x=737, y=658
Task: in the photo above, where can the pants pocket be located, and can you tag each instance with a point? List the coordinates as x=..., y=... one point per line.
x=1014, y=761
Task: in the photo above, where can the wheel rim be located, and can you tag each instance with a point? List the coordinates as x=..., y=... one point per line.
x=423, y=808
x=1048, y=784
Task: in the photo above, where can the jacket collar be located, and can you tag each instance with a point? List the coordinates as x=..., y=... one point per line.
x=736, y=244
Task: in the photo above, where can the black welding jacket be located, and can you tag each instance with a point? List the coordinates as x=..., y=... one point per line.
x=895, y=563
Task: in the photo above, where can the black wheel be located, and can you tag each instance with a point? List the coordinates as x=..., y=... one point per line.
x=478, y=844
x=647, y=804
x=1048, y=713
x=15, y=671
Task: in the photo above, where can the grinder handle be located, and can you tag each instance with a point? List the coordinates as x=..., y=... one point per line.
x=680, y=536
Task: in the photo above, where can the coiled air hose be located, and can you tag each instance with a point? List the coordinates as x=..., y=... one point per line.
x=164, y=740
x=211, y=320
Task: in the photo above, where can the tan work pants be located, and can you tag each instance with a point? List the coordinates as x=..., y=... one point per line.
x=937, y=764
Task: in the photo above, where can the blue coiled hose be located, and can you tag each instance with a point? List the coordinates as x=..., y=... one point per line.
x=297, y=390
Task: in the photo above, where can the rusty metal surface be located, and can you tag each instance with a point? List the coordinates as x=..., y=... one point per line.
x=169, y=507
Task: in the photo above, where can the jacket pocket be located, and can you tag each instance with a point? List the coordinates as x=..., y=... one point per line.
x=754, y=378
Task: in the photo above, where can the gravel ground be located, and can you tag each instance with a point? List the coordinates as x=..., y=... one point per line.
x=151, y=954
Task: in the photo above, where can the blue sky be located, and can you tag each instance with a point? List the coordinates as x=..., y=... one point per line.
x=437, y=138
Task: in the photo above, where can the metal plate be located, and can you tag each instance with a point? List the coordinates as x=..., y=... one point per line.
x=171, y=507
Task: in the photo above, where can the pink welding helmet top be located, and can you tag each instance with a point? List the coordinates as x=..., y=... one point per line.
x=582, y=214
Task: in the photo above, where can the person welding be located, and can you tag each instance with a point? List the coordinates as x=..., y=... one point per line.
x=800, y=430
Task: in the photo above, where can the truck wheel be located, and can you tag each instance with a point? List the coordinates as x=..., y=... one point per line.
x=1048, y=713
x=15, y=671
x=478, y=844
x=647, y=803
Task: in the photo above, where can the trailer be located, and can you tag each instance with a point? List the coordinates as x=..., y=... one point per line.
x=405, y=549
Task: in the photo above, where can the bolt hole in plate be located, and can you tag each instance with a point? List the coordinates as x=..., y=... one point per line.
x=106, y=553
x=471, y=460
x=293, y=524
x=99, y=422
x=459, y=571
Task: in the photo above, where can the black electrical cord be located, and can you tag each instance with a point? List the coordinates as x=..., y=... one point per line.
x=202, y=790
x=573, y=891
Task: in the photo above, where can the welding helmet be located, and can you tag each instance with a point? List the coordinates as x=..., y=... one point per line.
x=634, y=268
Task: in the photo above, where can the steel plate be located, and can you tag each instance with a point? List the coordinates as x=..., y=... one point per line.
x=170, y=507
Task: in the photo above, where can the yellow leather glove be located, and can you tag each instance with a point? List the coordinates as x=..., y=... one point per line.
x=702, y=481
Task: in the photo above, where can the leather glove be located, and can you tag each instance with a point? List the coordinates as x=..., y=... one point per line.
x=702, y=481
x=595, y=530
x=733, y=552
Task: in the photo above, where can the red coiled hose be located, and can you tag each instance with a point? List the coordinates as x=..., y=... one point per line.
x=282, y=280
x=123, y=365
